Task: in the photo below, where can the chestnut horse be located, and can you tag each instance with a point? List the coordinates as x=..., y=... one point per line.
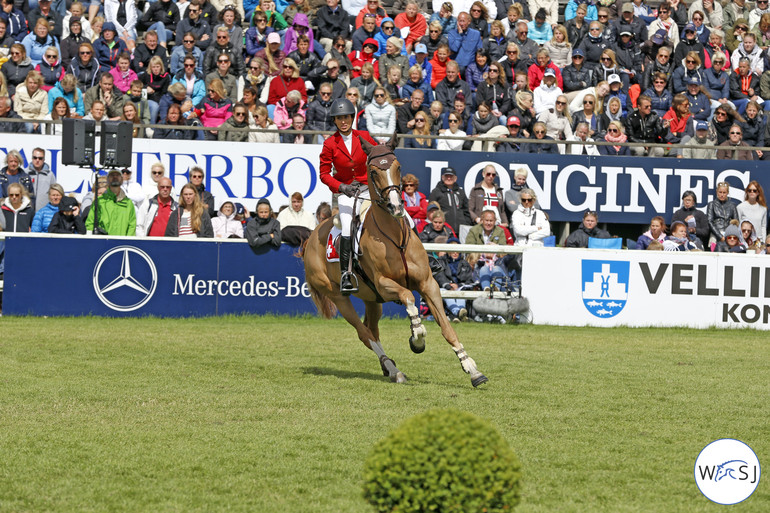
x=395, y=262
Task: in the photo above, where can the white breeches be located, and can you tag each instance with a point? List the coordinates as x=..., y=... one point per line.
x=345, y=205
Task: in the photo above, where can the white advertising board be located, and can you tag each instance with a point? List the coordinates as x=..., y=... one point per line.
x=589, y=287
x=241, y=172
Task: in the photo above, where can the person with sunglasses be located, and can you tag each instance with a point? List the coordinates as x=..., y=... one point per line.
x=17, y=210
x=754, y=209
x=16, y=68
x=387, y=30
x=735, y=148
x=235, y=128
x=50, y=69
x=689, y=42
x=733, y=11
x=221, y=46
x=256, y=35
x=731, y=242
x=487, y=195
x=594, y=44
x=195, y=24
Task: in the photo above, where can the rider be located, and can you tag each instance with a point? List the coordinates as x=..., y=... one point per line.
x=342, y=151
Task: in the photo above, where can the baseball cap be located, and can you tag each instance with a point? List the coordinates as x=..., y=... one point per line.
x=626, y=33
x=689, y=27
x=628, y=7
x=549, y=72
x=67, y=204
x=448, y=171
x=513, y=121
x=701, y=125
x=239, y=208
x=273, y=37
x=614, y=79
x=693, y=81
x=578, y=51
x=658, y=38
x=420, y=48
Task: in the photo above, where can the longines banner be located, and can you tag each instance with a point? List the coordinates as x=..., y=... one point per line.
x=580, y=287
x=118, y=277
x=621, y=189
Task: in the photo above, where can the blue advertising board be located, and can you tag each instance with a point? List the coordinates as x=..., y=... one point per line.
x=621, y=189
x=166, y=278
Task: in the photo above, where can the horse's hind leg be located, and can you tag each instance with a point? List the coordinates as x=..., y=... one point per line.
x=432, y=295
x=388, y=365
x=368, y=336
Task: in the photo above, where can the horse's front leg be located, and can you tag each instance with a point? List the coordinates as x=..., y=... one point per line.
x=417, y=338
x=431, y=293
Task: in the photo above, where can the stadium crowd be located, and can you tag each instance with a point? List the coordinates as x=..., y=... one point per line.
x=605, y=70
x=615, y=72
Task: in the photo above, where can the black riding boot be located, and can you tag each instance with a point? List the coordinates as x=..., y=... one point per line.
x=347, y=284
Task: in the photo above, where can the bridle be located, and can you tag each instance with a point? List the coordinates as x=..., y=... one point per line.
x=383, y=162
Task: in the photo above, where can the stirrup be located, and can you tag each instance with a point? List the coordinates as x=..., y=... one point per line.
x=348, y=283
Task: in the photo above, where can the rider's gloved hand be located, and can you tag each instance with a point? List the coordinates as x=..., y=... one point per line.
x=348, y=190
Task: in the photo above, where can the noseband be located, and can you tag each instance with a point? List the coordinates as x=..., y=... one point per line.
x=383, y=162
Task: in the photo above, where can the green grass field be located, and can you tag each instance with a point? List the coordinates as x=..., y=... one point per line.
x=277, y=414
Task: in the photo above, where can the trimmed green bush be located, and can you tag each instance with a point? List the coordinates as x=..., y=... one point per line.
x=443, y=460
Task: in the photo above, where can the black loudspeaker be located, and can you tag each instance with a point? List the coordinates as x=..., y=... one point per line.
x=78, y=145
x=116, y=138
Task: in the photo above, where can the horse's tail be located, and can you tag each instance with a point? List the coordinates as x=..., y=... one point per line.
x=326, y=307
x=300, y=253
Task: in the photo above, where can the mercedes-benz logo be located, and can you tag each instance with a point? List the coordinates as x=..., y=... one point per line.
x=128, y=291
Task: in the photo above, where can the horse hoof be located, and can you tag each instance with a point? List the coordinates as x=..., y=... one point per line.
x=398, y=378
x=479, y=380
x=417, y=344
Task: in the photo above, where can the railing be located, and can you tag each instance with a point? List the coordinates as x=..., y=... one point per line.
x=476, y=138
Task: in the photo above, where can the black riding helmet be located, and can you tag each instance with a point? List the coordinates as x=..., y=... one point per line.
x=342, y=107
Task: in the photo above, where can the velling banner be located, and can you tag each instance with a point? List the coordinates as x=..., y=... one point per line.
x=120, y=277
x=589, y=287
x=622, y=189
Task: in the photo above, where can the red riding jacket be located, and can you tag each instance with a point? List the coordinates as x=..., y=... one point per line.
x=349, y=167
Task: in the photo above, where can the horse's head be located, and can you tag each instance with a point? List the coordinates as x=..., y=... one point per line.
x=384, y=176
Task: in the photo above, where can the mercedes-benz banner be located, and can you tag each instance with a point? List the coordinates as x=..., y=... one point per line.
x=137, y=277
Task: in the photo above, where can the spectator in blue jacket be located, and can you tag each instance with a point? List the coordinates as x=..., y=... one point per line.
x=700, y=105
x=717, y=81
x=68, y=89
x=659, y=94
x=107, y=47
x=464, y=41
x=44, y=216
x=32, y=42
x=17, y=23
x=387, y=30
x=539, y=30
